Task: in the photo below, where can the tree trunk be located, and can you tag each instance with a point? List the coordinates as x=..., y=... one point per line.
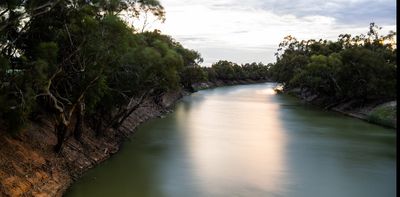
x=117, y=121
x=61, y=131
x=99, y=128
x=79, y=121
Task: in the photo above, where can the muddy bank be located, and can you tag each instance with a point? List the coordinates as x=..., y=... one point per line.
x=379, y=112
x=29, y=167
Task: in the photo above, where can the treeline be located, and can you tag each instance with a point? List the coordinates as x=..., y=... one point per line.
x=224, y=71
x=361, y=67
x=80, y=63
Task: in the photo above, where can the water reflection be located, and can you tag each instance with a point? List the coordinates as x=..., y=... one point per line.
x=247, y=141
x=335, y=155
x=232, y=149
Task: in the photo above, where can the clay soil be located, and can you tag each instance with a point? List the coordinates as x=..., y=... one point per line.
x=29, y=166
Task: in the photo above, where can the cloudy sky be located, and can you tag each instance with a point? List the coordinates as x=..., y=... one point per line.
x=250, y=30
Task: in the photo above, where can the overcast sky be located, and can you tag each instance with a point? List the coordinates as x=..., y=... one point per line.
x=250, y=30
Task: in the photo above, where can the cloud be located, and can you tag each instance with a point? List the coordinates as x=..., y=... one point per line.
x=238, y=55
x=358, y=12
x=247, y=31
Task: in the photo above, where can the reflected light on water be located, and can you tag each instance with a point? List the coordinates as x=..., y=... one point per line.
x=248, y=152
x=269, y=91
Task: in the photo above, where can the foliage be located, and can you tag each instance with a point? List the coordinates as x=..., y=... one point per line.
x=226, y=70
x=193, y=74
x=362, y=67
x=384, y=115
x=79, y=60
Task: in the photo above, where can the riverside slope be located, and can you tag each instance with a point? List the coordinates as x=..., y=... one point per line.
x=29, y=166
x=382, y=113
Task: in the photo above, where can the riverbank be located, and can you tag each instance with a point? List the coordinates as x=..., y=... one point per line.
x=377, y=112
x=29, y=166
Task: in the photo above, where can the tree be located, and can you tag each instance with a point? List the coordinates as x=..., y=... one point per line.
x=360, y=67
x=61, y=56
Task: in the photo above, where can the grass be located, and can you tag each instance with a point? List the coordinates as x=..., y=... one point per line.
x=383, y=115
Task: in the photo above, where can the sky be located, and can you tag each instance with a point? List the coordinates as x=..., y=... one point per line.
x=250, y=30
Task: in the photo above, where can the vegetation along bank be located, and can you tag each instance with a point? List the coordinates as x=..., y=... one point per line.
x=76, y=79
x=355, y=75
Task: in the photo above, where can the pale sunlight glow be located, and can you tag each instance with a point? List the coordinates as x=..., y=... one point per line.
x=218, y=154
x=268, y=91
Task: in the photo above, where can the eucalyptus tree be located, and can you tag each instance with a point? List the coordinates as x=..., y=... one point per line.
x=360, y=67
x=59, y=55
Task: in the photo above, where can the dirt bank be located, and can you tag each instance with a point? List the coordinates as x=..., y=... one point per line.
x=29, y=167
x=378, y=112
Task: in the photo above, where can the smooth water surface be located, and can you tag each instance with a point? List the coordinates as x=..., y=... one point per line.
x=247, y=141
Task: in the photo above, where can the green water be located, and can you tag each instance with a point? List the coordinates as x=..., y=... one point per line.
x=247, y=141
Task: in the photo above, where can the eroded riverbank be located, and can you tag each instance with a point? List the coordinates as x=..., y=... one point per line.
x=29, y=167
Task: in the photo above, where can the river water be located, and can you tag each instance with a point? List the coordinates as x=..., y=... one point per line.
x=247, y=141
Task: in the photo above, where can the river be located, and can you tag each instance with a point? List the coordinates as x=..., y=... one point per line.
x=248, y=141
